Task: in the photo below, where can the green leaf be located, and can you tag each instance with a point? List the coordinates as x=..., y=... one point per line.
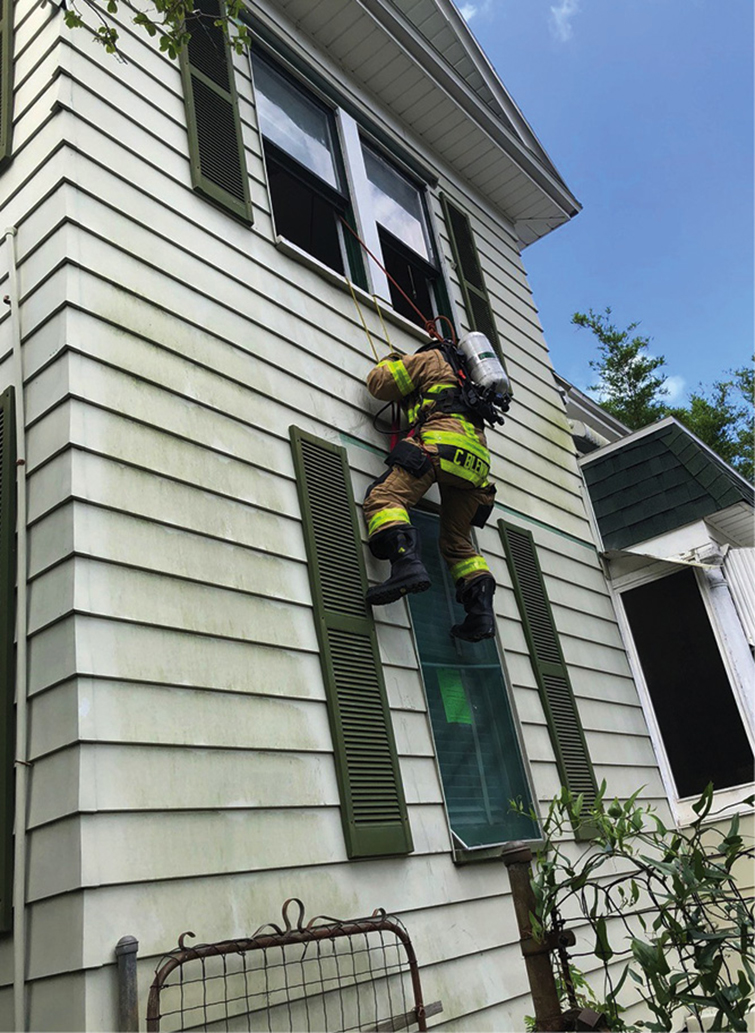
x=704, y=804
x=602, y=946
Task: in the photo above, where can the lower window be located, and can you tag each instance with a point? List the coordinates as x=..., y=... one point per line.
x=689, y=688
x=476, y=741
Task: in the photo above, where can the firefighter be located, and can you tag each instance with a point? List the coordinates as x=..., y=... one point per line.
x=446, y=443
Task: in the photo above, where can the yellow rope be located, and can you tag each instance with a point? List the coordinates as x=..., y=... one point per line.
x=382, y=323
x=361, y=317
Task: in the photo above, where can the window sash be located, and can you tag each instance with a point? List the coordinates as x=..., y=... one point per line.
x=296, y=124
x=397, y=205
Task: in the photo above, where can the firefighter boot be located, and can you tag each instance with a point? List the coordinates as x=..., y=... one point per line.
x=476, y=597
x=400, y=545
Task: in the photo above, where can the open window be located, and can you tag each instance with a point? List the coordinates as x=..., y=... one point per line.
x=323, y=171
x=304, y=168
x=398, y=208
x=696, y=711
x=476, y=739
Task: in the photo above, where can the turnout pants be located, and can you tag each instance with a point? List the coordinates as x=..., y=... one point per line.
x=389, y=499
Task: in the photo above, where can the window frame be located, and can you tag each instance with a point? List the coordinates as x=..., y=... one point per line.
x=350, y=137
x=337, y=198
x=462, y=854
x=731, y=798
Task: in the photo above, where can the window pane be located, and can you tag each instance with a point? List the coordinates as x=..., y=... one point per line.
x=397, y=204
x=298, y=125
x=475, y=738
x=688, y=685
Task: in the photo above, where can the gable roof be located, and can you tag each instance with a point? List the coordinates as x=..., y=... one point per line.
x=421, y=61
x=656, y=480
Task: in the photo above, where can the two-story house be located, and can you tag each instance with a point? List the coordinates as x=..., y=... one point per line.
x=208, y=719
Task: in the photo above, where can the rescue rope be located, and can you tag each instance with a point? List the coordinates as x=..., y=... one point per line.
x=361, y=316
x=382, y=323
x=429, y=324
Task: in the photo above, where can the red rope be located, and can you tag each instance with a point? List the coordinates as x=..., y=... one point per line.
x=430, y=328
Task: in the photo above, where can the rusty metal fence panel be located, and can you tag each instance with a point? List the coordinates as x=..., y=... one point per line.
x=328, y=975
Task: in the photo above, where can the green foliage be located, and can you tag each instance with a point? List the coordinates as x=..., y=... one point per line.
x=629, y=383
x=171, y=21
x=662, y=907
x=631, y=388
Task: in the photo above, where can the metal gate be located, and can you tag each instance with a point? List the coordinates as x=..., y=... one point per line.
x=328, y=975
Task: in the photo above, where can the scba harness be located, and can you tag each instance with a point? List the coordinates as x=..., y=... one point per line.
x=466, y=398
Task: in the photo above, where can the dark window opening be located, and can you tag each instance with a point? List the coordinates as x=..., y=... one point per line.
x=414, y=276
x=694, y=705
x=303, y=215
x=476, y=742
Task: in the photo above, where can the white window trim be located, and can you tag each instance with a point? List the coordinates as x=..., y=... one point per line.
x=730, y=800
x=359, y=188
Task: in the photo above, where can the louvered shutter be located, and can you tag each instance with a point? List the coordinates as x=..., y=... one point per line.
x=476, y=300
x=6, y=79
x=373, y=808
x=564, y=725
x=7, y=627
x=216, y=147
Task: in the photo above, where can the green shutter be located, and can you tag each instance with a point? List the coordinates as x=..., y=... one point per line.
x=564, y=725
x=7, y=627
x=6, y=80
x=476, y=300
x=216, y=147
x=373, y=809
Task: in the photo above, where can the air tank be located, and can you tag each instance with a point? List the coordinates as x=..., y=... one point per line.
x=483, y=364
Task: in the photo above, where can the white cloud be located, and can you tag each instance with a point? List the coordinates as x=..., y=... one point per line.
x=468, y=11
x=676, y=387
x=561, y=16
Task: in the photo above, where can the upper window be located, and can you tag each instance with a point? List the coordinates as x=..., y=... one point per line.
x=308, y=148
x=398, y=209
x=296, y=124
x=304, y=167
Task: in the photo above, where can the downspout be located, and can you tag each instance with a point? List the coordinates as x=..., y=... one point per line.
x=21, y=765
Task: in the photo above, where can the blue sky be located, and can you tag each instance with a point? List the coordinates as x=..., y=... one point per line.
x=646, y=108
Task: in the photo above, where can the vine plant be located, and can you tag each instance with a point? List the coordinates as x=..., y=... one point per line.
x=170, y=21
x=662, y=906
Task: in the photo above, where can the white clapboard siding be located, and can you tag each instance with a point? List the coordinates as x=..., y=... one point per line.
x=183, y=767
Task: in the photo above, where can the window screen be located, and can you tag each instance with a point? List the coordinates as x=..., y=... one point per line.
x=475, y=738
x=698, y=717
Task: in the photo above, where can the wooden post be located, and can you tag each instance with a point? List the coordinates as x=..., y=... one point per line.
x=548, y=1014
x=128, y=995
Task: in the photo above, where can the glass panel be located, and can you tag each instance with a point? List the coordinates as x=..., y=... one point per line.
x=687, y=682
x=397, y=204
x=475, y=739
x=299, y=126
